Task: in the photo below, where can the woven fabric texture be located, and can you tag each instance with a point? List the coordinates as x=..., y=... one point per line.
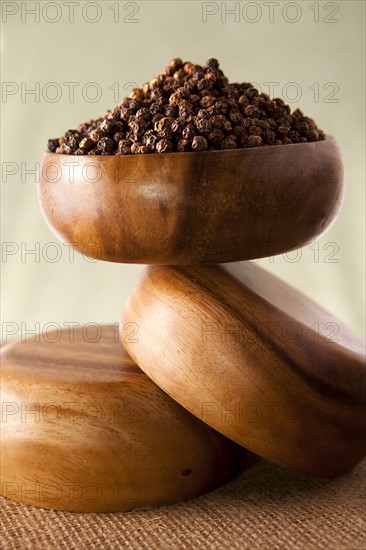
x=266, y=507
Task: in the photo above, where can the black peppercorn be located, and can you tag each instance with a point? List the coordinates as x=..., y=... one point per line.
x=185, y=109
x=199, y=143
x=269, y=137
x=208, y=101
x=228, y=143
x=124, y=148
x=86, y=144
x=64, y=149
x=215, y=136
x=96, y=135
x=106, y=145
x=143, y=150
x=164, y=146
x=203, y=125
x=185, y=103
x=178, y=125
x=135, y=148
x=235, y=116
x=118, y=136
x=189, y=132
x=163, y=127
x=313, y=135
x=150, y=140
x=184, y=145
x=52, y=145
x=211, y=63
x=254, y=141
x=255, y=131
x=144, y=113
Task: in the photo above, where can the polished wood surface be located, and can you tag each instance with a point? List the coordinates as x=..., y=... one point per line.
x=84, y=429
x=256, y=360
x=193, y=208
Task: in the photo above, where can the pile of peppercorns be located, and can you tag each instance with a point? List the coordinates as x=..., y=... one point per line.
x=189, y=108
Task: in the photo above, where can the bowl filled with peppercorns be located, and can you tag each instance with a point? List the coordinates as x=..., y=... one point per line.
x=191, y=169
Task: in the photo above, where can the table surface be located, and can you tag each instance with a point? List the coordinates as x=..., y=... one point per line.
x=265, y=507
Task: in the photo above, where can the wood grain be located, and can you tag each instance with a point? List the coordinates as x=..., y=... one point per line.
x=256, y=360
x=84, y=429
x=193, y=208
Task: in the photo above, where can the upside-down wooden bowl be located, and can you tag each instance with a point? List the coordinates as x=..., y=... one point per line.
x=84, y=429
x=256, y=360
x=193, y=208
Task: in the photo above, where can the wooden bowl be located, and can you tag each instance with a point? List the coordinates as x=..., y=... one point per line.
x=256, y=360
x=193, y=208
x=83, y=429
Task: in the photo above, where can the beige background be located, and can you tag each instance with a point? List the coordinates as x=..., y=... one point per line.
x=106, y=52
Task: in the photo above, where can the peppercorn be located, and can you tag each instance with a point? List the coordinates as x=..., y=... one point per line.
x=188, y=68
x=203, y=125
x=199, y=143
x=255, y=131
x=123, y=147
x=185, y=102
x=125, y=113
x=63, y=149
x=254, y=141
x=215, y=136
x=208, y=101
x=150, y=139
x=211, y=63
x=143, y=113
x=86, y=144
x=176, y=63
x=143, y=150
x=227, y=126
x=163, y=127
x=228, y=143
x=135, y=148
x=107, y=126
x=164, y=146
x=184, y=145
x=171, y=111
x=269, y=137
x=239, y=130
x=189, y=132
x=106, y=145
x=264, y=125
x=178, y=125
x=156, y=108
x=185, y=109
x=118, y=136
x=235, y=116
x=53, y=144
x=72, y=142
x=96, y=135
x=194, y=100
x=313, y=135
x=283, y=130
x=155, y=118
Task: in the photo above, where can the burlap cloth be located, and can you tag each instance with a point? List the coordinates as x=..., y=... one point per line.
x=265, y=507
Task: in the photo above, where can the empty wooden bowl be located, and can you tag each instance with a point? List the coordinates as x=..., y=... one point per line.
x=193, y=208
x=84, y=429
x=256, y=360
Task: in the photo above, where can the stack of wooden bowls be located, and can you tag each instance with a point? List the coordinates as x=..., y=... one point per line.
x=215, y=364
